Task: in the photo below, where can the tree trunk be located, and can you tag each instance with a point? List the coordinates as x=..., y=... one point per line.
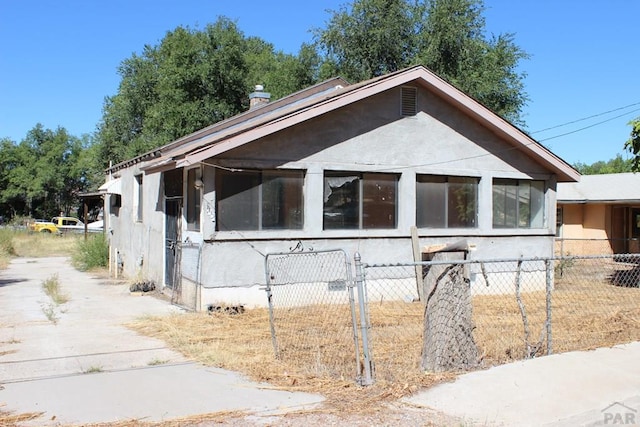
x=448, y=325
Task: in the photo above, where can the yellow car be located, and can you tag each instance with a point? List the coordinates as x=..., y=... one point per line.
x=58, y=224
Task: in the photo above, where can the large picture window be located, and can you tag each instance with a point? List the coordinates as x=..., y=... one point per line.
x=360, y=200
x=446, y=201
x=518, y=203
x=259, y=200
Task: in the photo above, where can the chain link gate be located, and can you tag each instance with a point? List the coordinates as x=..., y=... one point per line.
x=313, y=315
x=186, y=283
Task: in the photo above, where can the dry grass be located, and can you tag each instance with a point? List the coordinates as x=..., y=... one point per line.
x=35, y=245
x=587, y=312
x=243, y=343
x=317, y=354
x=13, y=419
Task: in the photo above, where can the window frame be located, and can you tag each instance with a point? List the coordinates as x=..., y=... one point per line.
x=516, y=202
x=362, y=180
x=448, y=183
x=255, y=197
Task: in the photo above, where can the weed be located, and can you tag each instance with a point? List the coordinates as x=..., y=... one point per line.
x=50, y=312
x=91, y=253
x=92, y=370
x=52, y=289
x=156, y=362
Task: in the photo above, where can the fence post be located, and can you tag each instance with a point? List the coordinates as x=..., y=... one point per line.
x=549, y=288
x=367, y=378
x=274, y=340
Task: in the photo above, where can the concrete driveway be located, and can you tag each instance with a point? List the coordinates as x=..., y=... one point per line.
x=78, y=364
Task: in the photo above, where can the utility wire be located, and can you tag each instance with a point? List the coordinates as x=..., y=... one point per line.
x=590, y=117
x=590, y=126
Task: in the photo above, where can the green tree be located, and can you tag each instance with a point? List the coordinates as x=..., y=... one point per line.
x=369, y=38
x=192, y=79
x=11, y=201
x=44, y=174
x=375, y=37
x=616, y=165
x=633, y=144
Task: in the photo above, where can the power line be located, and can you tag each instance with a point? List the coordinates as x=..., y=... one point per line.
x=590, y=126
x=589, y=117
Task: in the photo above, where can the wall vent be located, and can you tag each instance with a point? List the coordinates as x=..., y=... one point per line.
x=409, y=96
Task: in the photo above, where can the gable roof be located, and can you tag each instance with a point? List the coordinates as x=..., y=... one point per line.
x=329, y=96
x=606, y=188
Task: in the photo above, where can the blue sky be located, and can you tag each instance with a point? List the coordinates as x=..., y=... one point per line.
x=58, y=60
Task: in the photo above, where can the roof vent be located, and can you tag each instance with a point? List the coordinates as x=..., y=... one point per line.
x=258, y=97
x=409, y=102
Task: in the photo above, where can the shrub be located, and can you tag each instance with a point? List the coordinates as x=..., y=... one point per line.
x=92, y=252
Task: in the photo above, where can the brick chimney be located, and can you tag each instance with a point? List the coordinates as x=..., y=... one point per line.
x=258, y=97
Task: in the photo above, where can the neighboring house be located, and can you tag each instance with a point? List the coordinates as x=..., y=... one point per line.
x=332, y=166
x=600, y=214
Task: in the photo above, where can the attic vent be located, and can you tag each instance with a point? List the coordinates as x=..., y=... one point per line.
x=409, y=101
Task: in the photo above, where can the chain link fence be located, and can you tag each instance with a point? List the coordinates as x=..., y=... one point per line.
x=518, y=309
x=312, y=312
x=446, y=314
x=571, y=246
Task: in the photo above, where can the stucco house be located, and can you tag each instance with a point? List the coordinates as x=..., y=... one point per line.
x=600, y=214
x=335, y=165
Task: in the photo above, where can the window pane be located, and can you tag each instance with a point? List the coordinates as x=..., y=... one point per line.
x=537, y=204
x=518, y=203
x=139, y=198
x=430, y=199
x=238, y=205
x=282, y=205
x=524, y=204
x=193, y=201
x=341, y=201
x=504, y=203
x=462, y=202
x=379, y=201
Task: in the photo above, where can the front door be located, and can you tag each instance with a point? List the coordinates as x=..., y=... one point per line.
x=619, y=235
x=173, y=214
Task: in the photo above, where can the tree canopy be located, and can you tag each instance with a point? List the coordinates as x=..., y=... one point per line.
x=633, y=144
x=615, y=165
x=191, y=80
x=375, y=37
x=44, y=174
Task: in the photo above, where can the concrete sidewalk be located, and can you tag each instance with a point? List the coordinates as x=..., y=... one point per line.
x=587, y=388
x=78, y=364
